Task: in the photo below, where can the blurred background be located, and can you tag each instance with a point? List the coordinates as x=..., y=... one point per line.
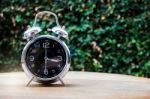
x=110, y=36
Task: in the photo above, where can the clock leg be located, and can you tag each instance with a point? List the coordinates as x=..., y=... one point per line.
x=29, y=81
x=61, y=81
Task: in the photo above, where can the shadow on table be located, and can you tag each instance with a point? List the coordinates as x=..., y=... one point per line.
x=51, y=85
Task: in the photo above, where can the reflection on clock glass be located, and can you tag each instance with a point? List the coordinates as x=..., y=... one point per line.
x=45, y=58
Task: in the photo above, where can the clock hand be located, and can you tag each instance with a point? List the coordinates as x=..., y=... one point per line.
x=45, y=66
x=54, y=60
x=58, y=59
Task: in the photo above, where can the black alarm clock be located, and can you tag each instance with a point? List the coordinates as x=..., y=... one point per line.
x=45, y=58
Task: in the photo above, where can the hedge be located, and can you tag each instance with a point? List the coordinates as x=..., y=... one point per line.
x=105, y=35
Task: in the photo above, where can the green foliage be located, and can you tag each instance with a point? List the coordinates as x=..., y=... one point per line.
x=105, y=35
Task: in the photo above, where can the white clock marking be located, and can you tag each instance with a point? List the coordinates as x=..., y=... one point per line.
x=32, y=65
x=45, y=71
x=58, y=65
x=31, y=58
x=46, y=44
x=36, y=45
x=53, y=71
x=59, y=58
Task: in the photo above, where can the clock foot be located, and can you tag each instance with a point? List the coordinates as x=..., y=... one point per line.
x=60, y=79
x=30, y=81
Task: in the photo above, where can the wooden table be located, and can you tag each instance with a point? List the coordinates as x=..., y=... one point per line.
x=79, y=85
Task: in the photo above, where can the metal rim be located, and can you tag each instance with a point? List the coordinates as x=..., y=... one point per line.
x=52, y=79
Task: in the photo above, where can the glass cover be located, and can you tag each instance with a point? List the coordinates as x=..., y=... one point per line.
x=45, y=58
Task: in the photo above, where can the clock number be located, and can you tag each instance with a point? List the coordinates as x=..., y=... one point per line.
x=36, y=45
x=45, y=71
x=31, y=58
x=53, y=70
x=59, y=58
x=46, y=45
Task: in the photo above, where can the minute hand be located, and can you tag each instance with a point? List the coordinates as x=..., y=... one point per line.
x=45, y=65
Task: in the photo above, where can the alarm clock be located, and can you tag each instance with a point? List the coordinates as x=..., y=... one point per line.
x=45, y=58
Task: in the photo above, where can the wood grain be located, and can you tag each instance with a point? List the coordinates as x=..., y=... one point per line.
x=79, y=85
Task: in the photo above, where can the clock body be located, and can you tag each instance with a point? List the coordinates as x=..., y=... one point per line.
x=45, y=59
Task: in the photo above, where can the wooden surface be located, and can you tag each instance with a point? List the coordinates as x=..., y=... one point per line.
x=79, y=85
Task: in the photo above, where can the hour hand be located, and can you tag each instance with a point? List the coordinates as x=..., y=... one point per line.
x=54, y=60
x=57, y=59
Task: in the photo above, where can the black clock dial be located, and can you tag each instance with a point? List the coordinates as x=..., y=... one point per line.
x=45, y=58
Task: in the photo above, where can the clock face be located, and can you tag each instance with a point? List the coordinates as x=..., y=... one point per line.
x=45, y=58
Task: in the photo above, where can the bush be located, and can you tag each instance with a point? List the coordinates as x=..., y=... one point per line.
x=105, y=36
